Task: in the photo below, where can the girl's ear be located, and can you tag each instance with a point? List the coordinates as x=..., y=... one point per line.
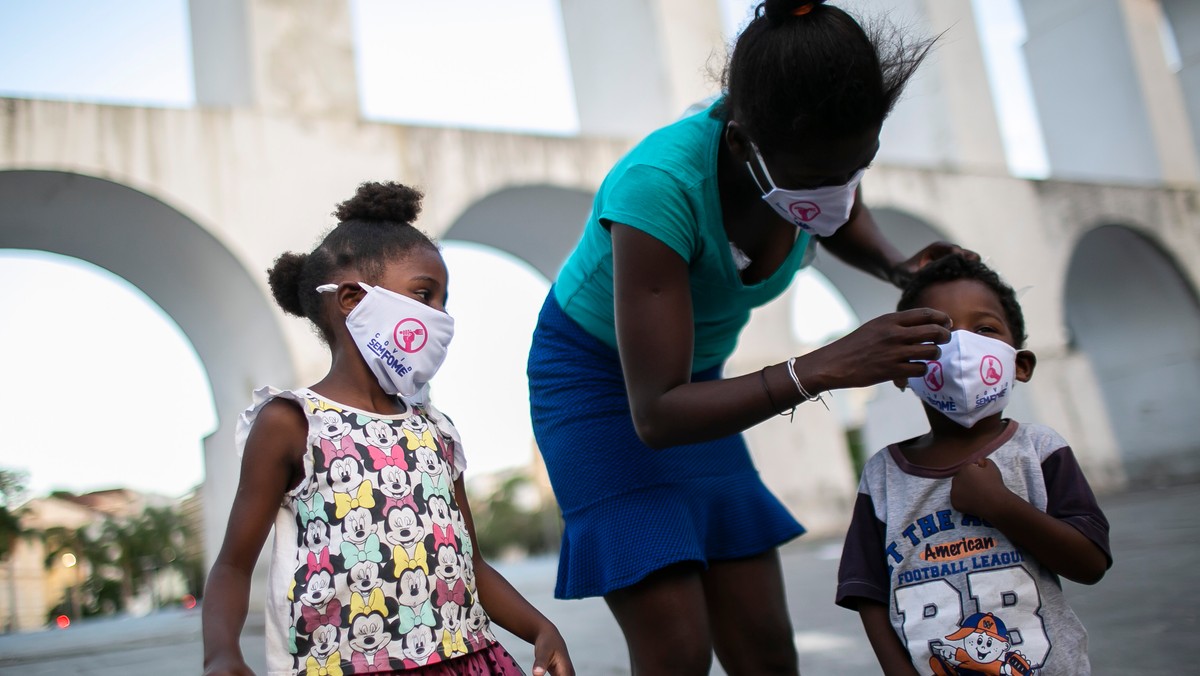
x=349, y=295
x=1026, y=361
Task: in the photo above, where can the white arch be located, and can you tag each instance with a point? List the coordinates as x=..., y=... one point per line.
x=1131, y=311
x=183, y=269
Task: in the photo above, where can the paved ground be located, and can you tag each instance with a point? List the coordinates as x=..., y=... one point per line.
x=1142, y=618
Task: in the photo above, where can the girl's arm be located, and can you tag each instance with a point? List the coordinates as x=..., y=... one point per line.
x=268, y=464
x=892, y=655
x=860, y=243
x=654, y=325
x=979, y=489
x=505, y=605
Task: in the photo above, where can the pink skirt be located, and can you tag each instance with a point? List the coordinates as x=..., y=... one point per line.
x=493, y=660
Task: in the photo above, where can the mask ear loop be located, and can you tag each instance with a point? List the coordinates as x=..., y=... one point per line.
x=762, y=164
x=327, y=288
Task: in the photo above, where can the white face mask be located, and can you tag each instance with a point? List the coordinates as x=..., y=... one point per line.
x=820, y=211
x=402, y=340
x=971, y=380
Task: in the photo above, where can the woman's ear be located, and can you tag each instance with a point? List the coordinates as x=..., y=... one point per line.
x=737, y=141
x=1026, y=361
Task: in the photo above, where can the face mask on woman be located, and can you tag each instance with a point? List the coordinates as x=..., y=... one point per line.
x=971, y=380
x=820, y=211
x=403, y=341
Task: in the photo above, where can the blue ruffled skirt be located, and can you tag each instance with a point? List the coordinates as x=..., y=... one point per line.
x=628, y=509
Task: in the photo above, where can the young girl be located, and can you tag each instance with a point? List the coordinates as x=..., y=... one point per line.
x=374, y=570
x=959, y=535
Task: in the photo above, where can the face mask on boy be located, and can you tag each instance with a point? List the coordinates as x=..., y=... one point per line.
x=402, y=340
x=820, y=211
x=971, y=380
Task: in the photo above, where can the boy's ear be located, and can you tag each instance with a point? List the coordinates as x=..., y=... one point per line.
x=1026, y=361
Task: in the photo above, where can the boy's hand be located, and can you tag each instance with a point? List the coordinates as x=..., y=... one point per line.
x=979, y=489
x=550, y=656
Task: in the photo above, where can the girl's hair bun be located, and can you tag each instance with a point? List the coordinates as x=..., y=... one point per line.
x=284, y=279
x=782, y=10
x=388, y=202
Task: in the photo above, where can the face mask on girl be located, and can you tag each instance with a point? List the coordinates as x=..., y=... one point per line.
x=820, y=211
x=402, y=340
x=971, y=380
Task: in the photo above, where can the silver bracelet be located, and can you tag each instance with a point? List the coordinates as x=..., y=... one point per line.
x=791, y=363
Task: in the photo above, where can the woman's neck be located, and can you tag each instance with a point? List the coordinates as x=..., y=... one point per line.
x=750, y=223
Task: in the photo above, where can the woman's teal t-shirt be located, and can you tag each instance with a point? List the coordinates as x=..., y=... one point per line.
x=666, y=186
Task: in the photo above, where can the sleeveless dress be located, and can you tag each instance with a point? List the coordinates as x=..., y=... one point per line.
x=371, y=569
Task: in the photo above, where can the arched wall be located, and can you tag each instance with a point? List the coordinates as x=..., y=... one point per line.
x=182, y=268
x=539, y=224
x=1129, y=308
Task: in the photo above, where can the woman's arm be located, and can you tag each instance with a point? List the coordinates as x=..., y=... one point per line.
x=654, y=326
x=892, y=655
x=268, y=463
x=509, y=609
x=860, y=243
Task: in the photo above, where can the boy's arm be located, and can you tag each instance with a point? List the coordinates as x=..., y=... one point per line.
x=892, y=655
x=267, y=465
x=1057, y=540
x=509, y=609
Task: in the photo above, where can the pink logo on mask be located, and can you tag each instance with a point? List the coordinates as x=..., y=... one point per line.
x=805, y=211
x=933, y=378
x=410, y=335
x=990, y=370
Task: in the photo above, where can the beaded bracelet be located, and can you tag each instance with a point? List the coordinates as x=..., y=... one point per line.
x=803, y=392
x=762, y=376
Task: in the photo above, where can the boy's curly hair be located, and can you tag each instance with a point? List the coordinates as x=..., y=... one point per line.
x=956, y=266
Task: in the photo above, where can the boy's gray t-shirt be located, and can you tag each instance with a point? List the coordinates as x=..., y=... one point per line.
x=960, y=594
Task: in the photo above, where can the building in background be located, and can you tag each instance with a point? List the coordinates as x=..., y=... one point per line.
x=190, y=205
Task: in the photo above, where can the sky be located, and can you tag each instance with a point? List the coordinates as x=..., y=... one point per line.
x=86, y=424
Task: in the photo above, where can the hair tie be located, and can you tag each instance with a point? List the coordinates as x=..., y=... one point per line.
x=803, y=9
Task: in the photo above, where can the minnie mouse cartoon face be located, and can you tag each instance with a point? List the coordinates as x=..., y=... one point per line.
x=345, y=474
x=308, y=489
x=380, y=434
x=428, y=461
x=439, y=511
x=403, y=527
x=325, y=641
x=393, y=482
x=316, y=535
x=358, y=525
x=332, y=426
x=449, y=565
x=318, y=590
x=413, y=588
x=476, y=619
x=364, y=576
x=418, y=644
x=451, y=616
x=368, y=633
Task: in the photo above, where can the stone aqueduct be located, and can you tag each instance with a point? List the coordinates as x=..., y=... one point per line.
x=190, y=205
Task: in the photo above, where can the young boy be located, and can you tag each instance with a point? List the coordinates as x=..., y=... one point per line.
x=958, y=536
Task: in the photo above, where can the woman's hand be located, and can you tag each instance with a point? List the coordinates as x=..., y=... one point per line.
x=550, y=654
x=902, y=273
x=892, y=347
